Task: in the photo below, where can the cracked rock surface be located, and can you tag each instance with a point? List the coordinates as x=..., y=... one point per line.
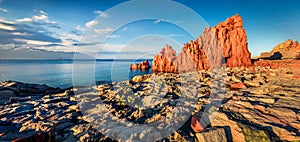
x=265, y=109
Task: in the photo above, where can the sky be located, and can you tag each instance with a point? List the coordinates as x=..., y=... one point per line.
x=135, y=29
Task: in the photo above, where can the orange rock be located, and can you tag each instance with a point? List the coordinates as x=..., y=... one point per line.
x=295, y=46
x=165, y=60
x=196, y=125
x=239, y=85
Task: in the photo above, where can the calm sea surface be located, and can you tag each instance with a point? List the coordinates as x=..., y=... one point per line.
x=63, y=73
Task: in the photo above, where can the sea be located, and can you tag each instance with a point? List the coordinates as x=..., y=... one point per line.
x=68, y=73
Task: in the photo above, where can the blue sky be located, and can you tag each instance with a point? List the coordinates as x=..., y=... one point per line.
x=82, y=26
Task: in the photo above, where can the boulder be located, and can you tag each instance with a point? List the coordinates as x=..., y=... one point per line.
x=240, y=85
x=6, y=94
x=196, y=125
x=212, y=135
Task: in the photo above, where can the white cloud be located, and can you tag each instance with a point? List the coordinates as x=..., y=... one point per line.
x=79, y=28
x=43, y=12
x=104, y=31
x=101, y=14
x=34, y=42
x=29, y=20
x=8, y=46
x=40, y=17
x=20, y=34
x=3, y=10
x=113, y=36
x=8, y=22
x=92, y=24
x=6, y=27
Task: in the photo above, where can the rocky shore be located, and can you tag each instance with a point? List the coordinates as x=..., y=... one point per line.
x=266, y=108
x=201, y=94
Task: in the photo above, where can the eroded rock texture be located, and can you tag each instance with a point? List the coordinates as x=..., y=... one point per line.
x=285, y=50
x=224, y=43
x=165, y=60
x=265, y=109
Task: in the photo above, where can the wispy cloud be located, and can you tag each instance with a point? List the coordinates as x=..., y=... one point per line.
x=7, y=27
x=41, y=18
x=92, y=24
x=29, y=20
x=3, y=9
x=175, y=35
x=113, y=36
x=79, y=28
x=104, y=31
x=283, y=23
x=101, y=14
x=160, y=21
x=25, y=34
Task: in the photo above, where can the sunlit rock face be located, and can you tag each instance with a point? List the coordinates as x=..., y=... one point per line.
x=285, y=50
x=224, y=43
x=141, y=66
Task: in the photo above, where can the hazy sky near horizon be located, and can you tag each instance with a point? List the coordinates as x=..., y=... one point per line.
x=55, y=25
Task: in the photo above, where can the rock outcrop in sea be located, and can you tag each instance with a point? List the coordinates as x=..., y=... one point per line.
x=224, y=43
x=286, y=50
x=141, y=66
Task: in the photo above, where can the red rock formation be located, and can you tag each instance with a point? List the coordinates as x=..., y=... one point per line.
x=226, y=42
x=141, y=66
x=295, y=46
x=164, y=61
x=232, y=38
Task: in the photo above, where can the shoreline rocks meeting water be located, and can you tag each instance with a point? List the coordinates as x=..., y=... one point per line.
x=266, y=109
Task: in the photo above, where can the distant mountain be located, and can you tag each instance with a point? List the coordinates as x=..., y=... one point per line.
x=39, y=54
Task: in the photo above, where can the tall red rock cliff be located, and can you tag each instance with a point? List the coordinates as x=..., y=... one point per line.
x=164, y=61
x=224, y=43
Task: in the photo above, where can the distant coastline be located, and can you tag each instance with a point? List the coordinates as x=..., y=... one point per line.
x=129, y=60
